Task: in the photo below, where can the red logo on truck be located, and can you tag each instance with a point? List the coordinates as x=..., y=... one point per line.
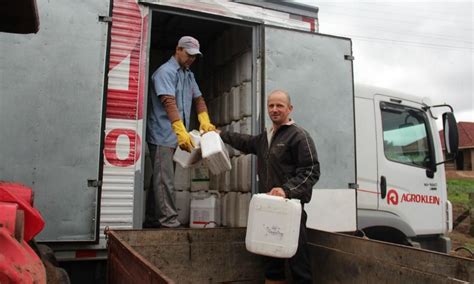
x=392, y=198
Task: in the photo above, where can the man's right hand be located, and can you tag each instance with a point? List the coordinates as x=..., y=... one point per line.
x=185, y=141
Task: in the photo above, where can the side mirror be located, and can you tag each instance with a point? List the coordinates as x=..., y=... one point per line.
x=451, y=138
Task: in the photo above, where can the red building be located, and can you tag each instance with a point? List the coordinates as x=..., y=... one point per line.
x=465, y=158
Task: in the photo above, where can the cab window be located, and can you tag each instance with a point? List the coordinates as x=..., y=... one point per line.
x=405, y=135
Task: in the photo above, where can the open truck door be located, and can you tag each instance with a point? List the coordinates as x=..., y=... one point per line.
x=51, y=116
x=317, y=71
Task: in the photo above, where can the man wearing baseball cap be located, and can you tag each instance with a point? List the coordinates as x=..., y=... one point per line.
x=174, y=89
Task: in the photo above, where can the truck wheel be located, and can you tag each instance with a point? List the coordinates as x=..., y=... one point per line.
x=386, y=234
x=55, y=275
x=47, y=254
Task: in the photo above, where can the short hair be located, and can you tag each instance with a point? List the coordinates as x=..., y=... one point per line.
x=288, y=98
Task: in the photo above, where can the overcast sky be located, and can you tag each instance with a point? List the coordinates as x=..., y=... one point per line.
x=422, y=47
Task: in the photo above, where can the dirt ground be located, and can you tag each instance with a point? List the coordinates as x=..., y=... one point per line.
x=460, y=235
x=460, y=175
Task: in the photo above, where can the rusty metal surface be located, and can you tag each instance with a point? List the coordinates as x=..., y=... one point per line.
x=218, y=255
x=184, y=255
x=125, y=265
x=339, y=258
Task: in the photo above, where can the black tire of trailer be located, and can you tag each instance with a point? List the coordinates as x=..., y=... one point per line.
x=54, y=273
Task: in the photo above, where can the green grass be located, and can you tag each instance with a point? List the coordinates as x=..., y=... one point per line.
x=470, y=246
x=458, y=191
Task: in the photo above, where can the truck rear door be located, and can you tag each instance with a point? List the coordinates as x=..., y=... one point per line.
x=51, y=120
x=317, y=72
x=404, y=153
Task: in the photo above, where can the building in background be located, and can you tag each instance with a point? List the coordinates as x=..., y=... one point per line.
x=465, y=159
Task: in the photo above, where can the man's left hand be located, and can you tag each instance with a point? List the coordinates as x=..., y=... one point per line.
x=205, y=122
x=277, y=191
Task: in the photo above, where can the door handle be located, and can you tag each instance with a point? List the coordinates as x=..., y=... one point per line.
x=383, y=187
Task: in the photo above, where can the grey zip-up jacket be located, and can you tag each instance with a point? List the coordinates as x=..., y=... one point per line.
x=289, y=162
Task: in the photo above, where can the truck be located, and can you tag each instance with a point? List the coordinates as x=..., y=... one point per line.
x=74, y=108
x=402, y=195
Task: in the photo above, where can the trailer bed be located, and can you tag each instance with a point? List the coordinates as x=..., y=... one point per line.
x=218, y=255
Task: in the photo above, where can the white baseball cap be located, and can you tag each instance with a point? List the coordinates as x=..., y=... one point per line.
x=190, y=44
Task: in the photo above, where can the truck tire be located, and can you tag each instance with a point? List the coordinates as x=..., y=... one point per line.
x=47, y=254
x=55, y=275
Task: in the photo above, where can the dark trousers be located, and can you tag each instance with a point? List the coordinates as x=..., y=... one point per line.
x=300, y=263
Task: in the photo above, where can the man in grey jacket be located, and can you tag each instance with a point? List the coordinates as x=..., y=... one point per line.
x=288, y=166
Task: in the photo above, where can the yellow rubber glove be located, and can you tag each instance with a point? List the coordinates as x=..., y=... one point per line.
x=185, y=141
x=205, y=122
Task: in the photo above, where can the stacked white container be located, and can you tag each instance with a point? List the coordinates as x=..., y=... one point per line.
x=230, y=149
x=226, y=181
x=234, y=127
x=242, y=208
x=231, y=205
x=245, y=99
x=231, y=110
x=205, y=210
x=246, y=125
x=223, y=208
x=199, y=177
x=234, y=176
x=246, y=66
x=214, y=182
x=245, y=173
x=234, y=105
x=225, y=107
x=182, y=178
x=183, y=199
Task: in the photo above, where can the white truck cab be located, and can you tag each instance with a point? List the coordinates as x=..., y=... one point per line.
x=402, y=194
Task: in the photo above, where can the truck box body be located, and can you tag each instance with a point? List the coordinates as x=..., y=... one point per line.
x=178, y=255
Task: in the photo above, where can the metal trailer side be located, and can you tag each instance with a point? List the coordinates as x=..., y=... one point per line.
x=219, y=255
